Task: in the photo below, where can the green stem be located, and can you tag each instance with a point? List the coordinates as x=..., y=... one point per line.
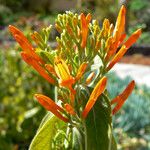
x=85, y=135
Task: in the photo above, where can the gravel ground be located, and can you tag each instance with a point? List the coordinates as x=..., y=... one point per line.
x=140, y=73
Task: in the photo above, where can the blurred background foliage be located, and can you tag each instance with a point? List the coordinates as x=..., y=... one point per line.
x=36, y=11
x=20, y=115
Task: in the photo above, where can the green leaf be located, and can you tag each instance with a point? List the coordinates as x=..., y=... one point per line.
x=45, y=134
x=45, y=119
x=99, y=128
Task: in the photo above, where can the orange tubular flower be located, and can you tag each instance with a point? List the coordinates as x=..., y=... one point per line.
x=24, y=43
x=84, y=28
x=132, y=39
x=123, y=36
x=69, y=109
x=117, y=57
x=118, y=31
x=31, y=61
x=50, y=105
x=97, y=91
x=120, y=24
x=81, y=70
x=63, y=73
x=16, y=31
x=106, y=26
x=50, y=68
x=121, y=98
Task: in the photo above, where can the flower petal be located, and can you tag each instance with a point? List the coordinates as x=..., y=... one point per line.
x=50, y=105
x=24, y=43
x=81, y=70
x=117, y=57
x=50, y=68
x=69, y=109
x=16, y=31
x=31, y=61
x=63, y=72
x=85, y=20
x=133, y=38
x=120, y=24
x=121, y=98
x=97, y=91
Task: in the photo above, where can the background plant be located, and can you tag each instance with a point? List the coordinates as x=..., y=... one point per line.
x=19, y=114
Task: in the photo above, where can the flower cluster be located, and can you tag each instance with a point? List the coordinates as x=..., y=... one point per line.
x=68, y=67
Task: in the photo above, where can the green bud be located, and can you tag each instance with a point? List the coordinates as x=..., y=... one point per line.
x=76, y=59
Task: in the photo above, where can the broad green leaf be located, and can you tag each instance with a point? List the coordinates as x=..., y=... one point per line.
x=45, y=119
x=43, y=138
x=98, y=127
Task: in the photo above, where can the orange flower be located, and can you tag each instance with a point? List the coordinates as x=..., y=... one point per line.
x=84, y=28
x=108, y=44
x=105, y=28
x=50, y=68
x=16, y=31
x=121, y=98
x=69, y=109
x=123, y=36
x=31, y=61
x=117, y=57
x=63, y=73
x=65, y=78
x=97, y=91
x=24, y=43
x=132, y=39
x=50, y=105
x=81, y=70
x=120, y=24
x=118, y=32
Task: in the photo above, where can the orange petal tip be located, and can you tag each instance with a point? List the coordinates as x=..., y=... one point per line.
x=123, y=9
x=121, y=98
x=36, y=95
x=97, y=91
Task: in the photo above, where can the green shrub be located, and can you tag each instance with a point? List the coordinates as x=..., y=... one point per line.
x=20, y=115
